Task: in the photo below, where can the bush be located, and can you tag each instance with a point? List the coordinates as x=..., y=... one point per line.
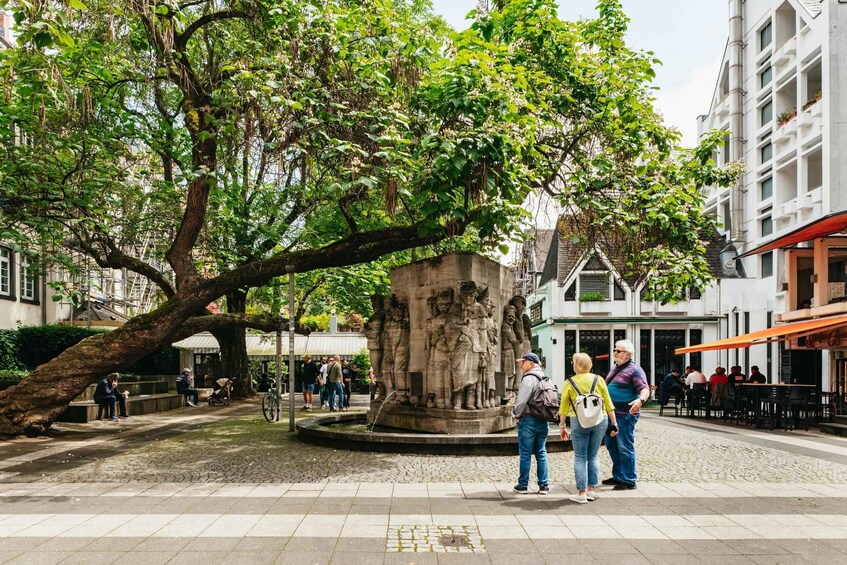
x=591, y=296
x=162, y=362
x=39, y=344
x=13, y=376
x=9, y=351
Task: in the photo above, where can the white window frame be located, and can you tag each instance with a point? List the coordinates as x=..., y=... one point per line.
x=6, y=271
x=29, y=282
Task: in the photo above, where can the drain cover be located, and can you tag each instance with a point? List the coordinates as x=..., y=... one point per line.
x=454, y=541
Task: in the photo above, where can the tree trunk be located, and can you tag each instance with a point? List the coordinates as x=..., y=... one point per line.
x=233, y=347
x=31, y=406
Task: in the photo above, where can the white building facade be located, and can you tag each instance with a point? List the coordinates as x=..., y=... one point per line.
x=778, y=94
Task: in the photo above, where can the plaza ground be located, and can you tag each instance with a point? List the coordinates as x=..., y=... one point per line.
x=220, y=485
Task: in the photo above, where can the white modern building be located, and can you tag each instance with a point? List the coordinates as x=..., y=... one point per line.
x=780, y=93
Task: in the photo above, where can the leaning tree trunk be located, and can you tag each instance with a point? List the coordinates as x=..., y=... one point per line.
x=233, y=347
x=34, y=404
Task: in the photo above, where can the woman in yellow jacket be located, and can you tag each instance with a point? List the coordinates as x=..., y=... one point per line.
x=586, y=441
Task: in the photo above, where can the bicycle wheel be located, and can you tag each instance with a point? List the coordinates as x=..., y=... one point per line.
x=270, y=407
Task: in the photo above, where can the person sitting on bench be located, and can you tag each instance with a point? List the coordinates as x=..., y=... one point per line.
x=185, y=385
x=107, y=393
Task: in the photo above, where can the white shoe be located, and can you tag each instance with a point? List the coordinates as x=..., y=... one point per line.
x=592, y=495
x=190, y=403
x=581, y=499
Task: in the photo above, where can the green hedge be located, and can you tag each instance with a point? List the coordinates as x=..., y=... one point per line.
x=31, y=346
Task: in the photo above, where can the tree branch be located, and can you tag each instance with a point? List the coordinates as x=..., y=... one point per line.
x=264, y=322
x=181, y=39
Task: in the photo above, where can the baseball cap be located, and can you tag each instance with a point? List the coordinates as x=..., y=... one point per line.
x=530, y=356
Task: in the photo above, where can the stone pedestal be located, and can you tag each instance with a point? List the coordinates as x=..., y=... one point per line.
x=441, y=421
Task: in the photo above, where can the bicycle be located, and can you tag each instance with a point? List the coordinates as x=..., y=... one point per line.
x=271, y=404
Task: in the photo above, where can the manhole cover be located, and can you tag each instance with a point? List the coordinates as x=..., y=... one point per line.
x=454, y=541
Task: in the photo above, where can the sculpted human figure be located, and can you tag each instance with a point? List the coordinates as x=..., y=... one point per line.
x=395, y=360
x=438, y=351
x=510, y=347
x=466, y=330
x=489, y=399
x=523, y=325
x=373, y=332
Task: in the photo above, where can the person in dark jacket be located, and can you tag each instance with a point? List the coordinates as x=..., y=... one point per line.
x=310, y=376
x=107, y=393
x=185, y=385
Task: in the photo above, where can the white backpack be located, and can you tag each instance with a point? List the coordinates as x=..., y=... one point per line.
x=588, y=407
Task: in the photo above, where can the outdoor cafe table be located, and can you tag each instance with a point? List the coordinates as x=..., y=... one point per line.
x=756, y=389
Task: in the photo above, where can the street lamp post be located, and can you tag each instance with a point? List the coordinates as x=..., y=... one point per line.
x=290, y=269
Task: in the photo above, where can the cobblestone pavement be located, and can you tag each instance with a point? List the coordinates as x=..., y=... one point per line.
x=220, y=485
x=239, y=447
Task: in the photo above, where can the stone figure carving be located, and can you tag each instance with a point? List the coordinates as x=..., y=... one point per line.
x=438, y=350
x=523, y=325
x=510, y=347
x=373, y=333
x=395, y=357
x=466, y=330
x=489, y=399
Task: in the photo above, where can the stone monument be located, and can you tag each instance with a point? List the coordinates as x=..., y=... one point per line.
x=446, y=343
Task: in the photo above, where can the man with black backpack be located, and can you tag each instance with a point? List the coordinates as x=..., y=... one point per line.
x=532, y=414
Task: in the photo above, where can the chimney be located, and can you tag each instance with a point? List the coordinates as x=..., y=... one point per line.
x=333, y=323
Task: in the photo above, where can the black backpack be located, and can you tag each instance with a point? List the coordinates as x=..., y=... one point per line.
x=543, y=402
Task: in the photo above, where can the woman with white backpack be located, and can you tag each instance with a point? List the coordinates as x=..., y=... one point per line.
x=586, y=399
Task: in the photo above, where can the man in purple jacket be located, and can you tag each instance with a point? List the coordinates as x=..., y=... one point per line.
x=629, y=390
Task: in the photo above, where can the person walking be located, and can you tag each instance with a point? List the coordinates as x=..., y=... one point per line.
x=336, y=387
x=310, y=377
x=585, y=440
x=629, y=391
x=322, y=381
x=347, y=380
x=532, y=431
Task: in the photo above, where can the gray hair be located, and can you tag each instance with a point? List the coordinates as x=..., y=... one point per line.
x=625, y=345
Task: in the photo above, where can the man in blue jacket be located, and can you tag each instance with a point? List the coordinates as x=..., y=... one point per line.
x=185, y=385
x=107, y=393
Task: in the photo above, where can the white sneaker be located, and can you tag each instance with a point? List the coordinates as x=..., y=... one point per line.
x=592, y=495
x=581, y=499
x=191, y=403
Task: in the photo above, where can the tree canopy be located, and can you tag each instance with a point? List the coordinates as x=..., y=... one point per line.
x=252, y=138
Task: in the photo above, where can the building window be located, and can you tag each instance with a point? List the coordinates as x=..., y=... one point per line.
x=767, y=265
x=766, y=114
x=619, y=293
x=29, y=280
x=591, y=283
x=535, y=312
x=695, y=337
x=767, y=225
x=570, y=292
x=6, y=256
x=570, y=349
x=766, y=188
x=765, y=76
x=766, y=153
x=694, y=294
x=765, y=36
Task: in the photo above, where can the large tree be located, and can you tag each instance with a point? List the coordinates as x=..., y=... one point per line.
x=257, y=137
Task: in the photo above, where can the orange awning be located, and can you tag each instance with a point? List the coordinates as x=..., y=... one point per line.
x=778, y=333
x=822, y=227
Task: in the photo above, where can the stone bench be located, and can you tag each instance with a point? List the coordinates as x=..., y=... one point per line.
x=82, y=411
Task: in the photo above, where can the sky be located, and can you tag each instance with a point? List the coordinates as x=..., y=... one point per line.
x=688, y=36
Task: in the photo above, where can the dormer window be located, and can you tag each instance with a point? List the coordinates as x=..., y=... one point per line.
x=597, y=282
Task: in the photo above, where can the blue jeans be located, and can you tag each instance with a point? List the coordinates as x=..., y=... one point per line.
x=336, y=388
x=586, y=453
x=622, y=449
x=532, y=440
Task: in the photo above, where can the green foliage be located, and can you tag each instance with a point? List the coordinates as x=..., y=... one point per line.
x=591, y=296
x=8, y=375
x=39, y=344
x=165, y=361
x=9, y=351
x=363, y=360
x=317, y=322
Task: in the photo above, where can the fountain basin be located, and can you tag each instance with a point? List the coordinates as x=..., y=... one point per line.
x=319, y=431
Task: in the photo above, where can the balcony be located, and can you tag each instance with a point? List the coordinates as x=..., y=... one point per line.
x=680, y=307
x=786, y=54
x=722, y=108
x=595, y=307
x=788, y=208
x=808, y=200
x=786, y=131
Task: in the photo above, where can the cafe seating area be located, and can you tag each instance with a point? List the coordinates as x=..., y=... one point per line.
x=773, y=406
